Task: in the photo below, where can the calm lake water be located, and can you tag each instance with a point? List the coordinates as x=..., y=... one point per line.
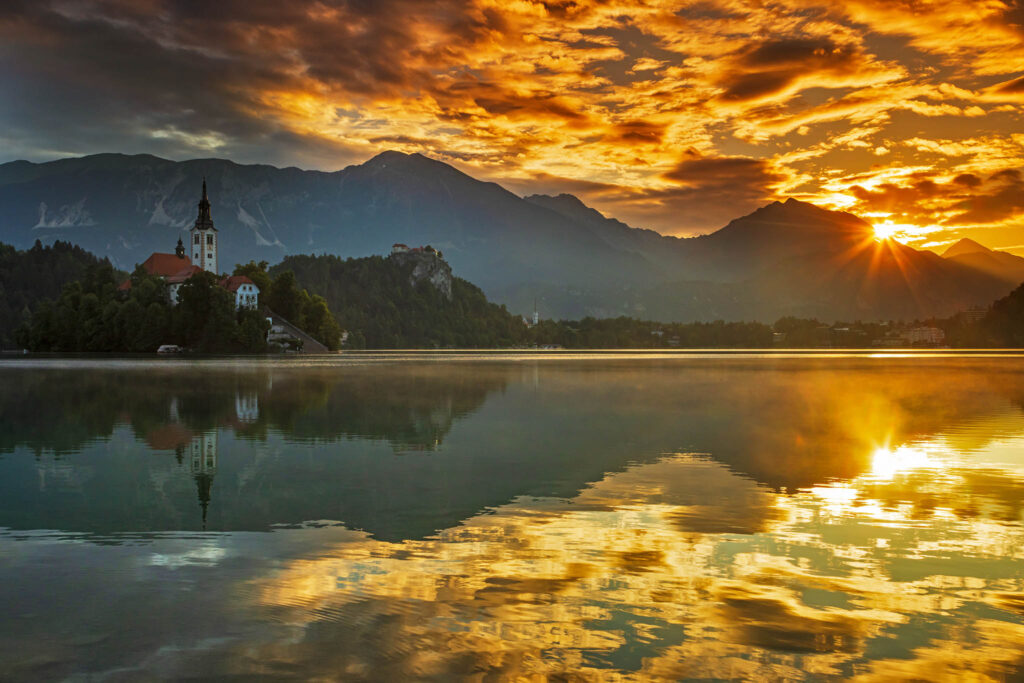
x=608, y=517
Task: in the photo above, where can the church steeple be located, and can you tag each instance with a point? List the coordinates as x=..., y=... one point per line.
x=204, y=237
x=204, y=221
x=179, y=250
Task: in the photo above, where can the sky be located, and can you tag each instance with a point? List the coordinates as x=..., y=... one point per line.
x=676, y=116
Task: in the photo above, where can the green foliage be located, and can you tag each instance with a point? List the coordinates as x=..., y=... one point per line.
x=628, y=333
x=374, y=299
x=286, y=298
x=1004, y=323
x=257, y=272
x=31, y=276
x=92, y=314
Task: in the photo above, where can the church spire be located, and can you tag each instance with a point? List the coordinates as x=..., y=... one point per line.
x=204, y=221
x=204, y=482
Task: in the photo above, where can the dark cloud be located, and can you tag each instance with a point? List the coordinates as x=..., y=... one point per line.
x=899, y=199
x=637, y=132
x=1014, y=86
x=967, y=180
x=751, y=86
x=712, y=173
x=977, y=201
x=800, y=52
x=766, y=68
x=1002, y=199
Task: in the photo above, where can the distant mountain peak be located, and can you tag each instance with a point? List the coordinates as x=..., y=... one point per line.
x=393, y=156
x=389, y=156
x=565, y=203
x=794, y=216
x=571, y=199
x=965, y=246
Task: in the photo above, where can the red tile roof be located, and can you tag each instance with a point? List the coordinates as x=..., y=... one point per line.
x=171, y=267
x=165, y=265
x=234, y=282
x=183, y=275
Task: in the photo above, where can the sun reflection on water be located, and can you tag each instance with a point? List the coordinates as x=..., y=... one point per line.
x=759, y=584
x=886, y=463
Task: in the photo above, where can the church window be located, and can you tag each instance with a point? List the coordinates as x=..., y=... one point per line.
x=196, y=240
x=209, y=239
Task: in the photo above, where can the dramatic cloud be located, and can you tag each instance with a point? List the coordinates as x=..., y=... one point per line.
x=674, y=115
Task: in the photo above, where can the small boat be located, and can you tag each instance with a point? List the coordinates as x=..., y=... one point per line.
x=169, y=348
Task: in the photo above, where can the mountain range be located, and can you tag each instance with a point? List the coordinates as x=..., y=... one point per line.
x=787, y=258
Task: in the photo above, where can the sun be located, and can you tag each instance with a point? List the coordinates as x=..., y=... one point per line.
x=885, y=231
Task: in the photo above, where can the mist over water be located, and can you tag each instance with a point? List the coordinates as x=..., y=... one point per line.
x=485, y=516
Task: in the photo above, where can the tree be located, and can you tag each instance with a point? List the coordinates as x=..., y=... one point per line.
x=205, y=314
x=257, y=272
x=285, y=298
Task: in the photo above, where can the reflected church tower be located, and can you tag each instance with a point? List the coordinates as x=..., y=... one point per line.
x=203, y=466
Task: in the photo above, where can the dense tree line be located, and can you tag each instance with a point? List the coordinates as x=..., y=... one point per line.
x=1003, y=325
x=629, y=333
x=93, y=314
x=374, y=299
x=27, y=277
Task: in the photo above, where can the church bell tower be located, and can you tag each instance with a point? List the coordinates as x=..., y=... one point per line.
x=204, y=237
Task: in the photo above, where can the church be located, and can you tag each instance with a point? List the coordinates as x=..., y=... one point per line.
x=178, y=267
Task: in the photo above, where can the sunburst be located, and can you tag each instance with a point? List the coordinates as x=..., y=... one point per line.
x=885, y=231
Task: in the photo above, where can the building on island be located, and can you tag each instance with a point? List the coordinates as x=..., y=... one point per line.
x=176, y=268
x=245, y=290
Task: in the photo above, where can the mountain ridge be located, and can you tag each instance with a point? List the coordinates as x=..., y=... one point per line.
x=786, y=258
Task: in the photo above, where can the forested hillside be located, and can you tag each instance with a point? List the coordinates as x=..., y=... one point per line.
x=29, y=276
x=375, y=299
x=1004, y=323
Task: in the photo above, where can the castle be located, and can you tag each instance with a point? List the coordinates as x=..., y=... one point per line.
x=176, y=268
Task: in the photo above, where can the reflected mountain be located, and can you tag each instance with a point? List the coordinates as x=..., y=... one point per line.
x=405, y=450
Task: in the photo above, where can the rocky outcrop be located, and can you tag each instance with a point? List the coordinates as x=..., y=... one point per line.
x=427, y=264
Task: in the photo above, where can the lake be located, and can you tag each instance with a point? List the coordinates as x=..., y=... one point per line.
x=488, y=516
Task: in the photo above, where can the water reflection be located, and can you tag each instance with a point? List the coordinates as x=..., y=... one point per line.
x=627, y=520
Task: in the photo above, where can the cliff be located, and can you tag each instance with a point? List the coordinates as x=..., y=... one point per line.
x=427, y=264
